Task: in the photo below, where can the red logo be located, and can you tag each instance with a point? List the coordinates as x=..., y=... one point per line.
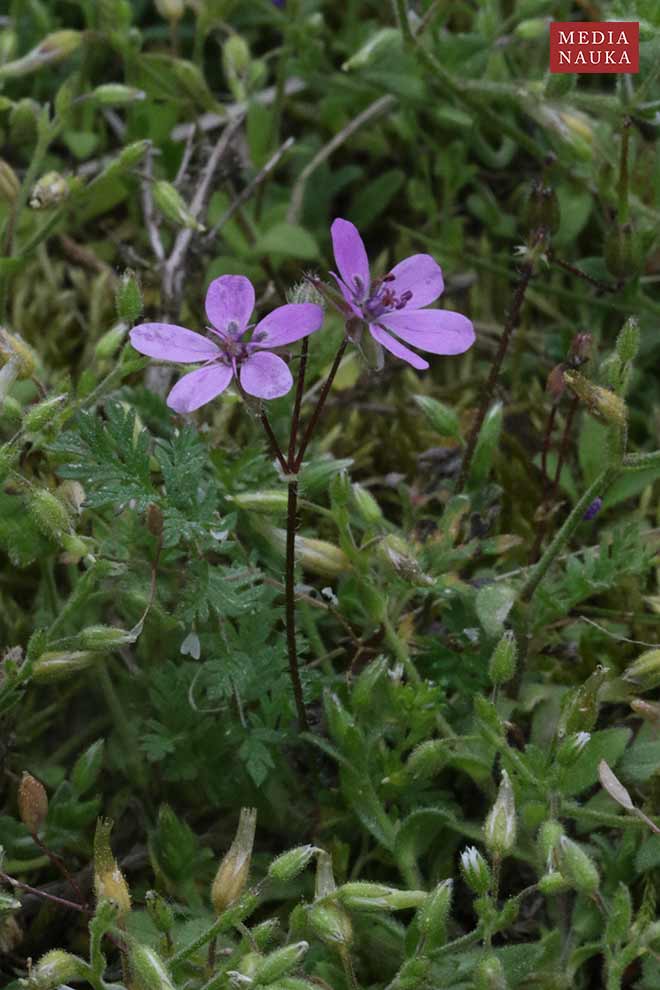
x=594, y=46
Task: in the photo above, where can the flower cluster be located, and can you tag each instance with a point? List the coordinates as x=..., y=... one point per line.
x=391, y=307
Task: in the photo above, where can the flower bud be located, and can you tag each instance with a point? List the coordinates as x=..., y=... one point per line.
x=232, y=875
x=127, y=159
x=330, y=924
x=172, y=205
x=579, y=709
x=23, y=122
x=622, y=253
x=427, y=759
x=571, y=748
x=442, y=419
x=54, y=969
x=287, y=866
x=269, y=501
x=53, y=48
x=279, y=962
x=9, y=184
x=316, y=556
x=644, y=672
x=593, y=509
x=576, y=866
x=50, y=190
x=109, y=881
x=147, y=969
x=606, y=406
x=116, y=95
x=627, y=343
x=532, y=28
x=42, y=413
x=367, y=506
x=171, y=10
x=105, y=638
x=490, y=975
x=620, y=918
x=648, y=710
x=49, y=514
x=32, y=802
x=501, y=825
x=305, y=292
x=379, y=897
x=476, y=871
x=13, y=349
x=398, y=556
x=542, y=209
x=503, y=661
x=432, y=916
x=549, y=835
x=340, y=489
x=381, y=43
x=108, y=345
x=55, y=664
x=128, y=297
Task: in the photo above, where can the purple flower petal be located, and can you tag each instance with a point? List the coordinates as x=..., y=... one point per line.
x=171, y=343
x=351, y=257
x=286, y=324
x=346, y=294
x=198, y=387
x=397, y=348
x=421, y=275
x=439, y=331
x=266, y=375
x=230, y=299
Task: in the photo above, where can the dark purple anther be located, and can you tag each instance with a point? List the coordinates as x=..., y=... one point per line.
x=594, y=508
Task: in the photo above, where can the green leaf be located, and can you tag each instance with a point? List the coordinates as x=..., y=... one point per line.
x=443, y=419
x=493, y=604
x=289, y=240
x=373, y=200
x=87, y=767
x=487, y=444
x=608, y=745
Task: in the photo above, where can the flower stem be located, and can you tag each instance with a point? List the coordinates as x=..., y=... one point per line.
x=327, y=385
x=272, y=440
x=510, y=324
x=290, y=575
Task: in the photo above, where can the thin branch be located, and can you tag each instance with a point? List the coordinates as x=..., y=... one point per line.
x=149, y=213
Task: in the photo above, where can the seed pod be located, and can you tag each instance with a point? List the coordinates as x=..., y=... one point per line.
x=476, y=871
x=605, y=406
x=576, y=866
x=232, y=874
x=501, y=825
x=109, y=881
x=287, y=866
x=172, y=205
x=32, y=802
x=503, y=661
x=148, y=971
x=54, y=969
x=377, y=896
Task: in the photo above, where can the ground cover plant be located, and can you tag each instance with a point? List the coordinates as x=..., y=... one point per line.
x=329, y=451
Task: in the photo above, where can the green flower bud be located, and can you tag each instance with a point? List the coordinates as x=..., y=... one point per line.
x=108, y=345
x=54, y=48
x=171, y=10
x=542, y=212
x=549, y=835
x=9, y=184
x=12, y=410
x=553, y=883
x=42, y=413
x=287, y=866
x=232, y=874
x=501, y=825
x=55, y=968
x=620, y=918
x=159, y=911
x=490, y=975
x=627, y=343
x=16, y=352
x=380, y=43
x=316, y=556
x=116, y=95
x=441, y=418
x=32, y=802
x=55, y=664
x=475, y=870
x=432, y=916
x=305, y=292
x=644, y=672
x=105, y=638
x=379, y=897
x=172, y=205
x=49, y=514
x=622, y=253
x=23, y=122
x=579, y=709
x=367, y=506
x=277, y=963
x=576, y=866
x=330, y=924
x=269, y=501
x=532, y=28
x=109, y=882
x=51, y=190
x=427, y=759
x=503, y=661
x=398, y=556
x=133, y=153
x=128, y=297
x=147, y=969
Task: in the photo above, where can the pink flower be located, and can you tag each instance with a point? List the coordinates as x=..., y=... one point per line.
x=229, y=305
x=394, y=303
